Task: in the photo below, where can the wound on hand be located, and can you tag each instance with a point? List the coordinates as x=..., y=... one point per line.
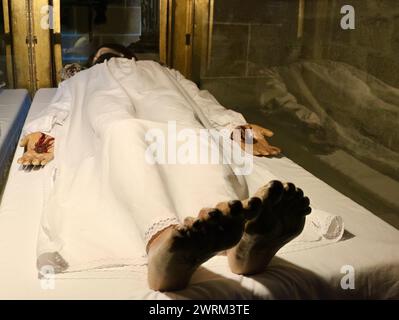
x=44, y=144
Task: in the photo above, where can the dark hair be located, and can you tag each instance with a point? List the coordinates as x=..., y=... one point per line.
x=125, y=52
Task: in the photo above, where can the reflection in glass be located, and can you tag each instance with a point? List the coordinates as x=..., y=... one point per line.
x=85, y=25
x=331, y=95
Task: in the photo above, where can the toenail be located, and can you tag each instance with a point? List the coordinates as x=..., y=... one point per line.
x=276, y=187
x=299, y=192
x=275, y=192
x=289, y=187
x=276, y=184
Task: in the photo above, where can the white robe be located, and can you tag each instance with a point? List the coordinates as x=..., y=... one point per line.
x=107, y=201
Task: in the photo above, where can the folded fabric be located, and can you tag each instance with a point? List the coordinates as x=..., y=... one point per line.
x=328, y=226
x=321, y=228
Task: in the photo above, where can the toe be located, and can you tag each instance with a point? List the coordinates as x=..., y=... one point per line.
x=198, y=227
x=224, y=207
x=215, y=214
x=204, y=213
x=254, y=203
x=299, y=192
x=305, y=202
x=214, y=217
x=252, y=207
x=289, y=190
x=235, y=207
x=274, y=191
x=188, y=221
x=181, y=231
x=298, y=204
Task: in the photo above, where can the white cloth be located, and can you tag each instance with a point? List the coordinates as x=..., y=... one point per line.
x=328, y=226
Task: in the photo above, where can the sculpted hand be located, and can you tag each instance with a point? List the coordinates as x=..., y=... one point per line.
x=261, y=148
x=39, y=149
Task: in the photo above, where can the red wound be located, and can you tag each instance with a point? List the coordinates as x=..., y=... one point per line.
x=43, y=145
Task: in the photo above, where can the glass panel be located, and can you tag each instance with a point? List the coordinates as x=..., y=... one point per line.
x=329, y=92
x=88, y=24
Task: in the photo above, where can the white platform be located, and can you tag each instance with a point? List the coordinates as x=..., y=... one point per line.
x=370, y=247
x=14, y=106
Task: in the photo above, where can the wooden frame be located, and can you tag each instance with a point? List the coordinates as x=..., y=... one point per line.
x=42, y=49
x=57, y=48
x=176, y=34
x=31, y=54
x=165, y=25
x=202, y=37
x=9, y=54
x=18, y=30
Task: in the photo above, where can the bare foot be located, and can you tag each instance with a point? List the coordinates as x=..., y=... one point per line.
x=279, y=212
x=179, y=250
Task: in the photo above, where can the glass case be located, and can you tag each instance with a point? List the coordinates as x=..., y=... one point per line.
x=323, y=75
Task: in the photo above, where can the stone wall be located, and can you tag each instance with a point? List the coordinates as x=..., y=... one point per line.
x=247, y=37
x=374, y=44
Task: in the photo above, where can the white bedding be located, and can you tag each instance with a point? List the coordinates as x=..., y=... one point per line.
x=370, y=247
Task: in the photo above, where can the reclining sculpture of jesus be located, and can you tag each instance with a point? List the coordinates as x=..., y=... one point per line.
x=250, y=231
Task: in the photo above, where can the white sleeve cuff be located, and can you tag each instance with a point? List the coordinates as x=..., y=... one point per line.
x=46, y=123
